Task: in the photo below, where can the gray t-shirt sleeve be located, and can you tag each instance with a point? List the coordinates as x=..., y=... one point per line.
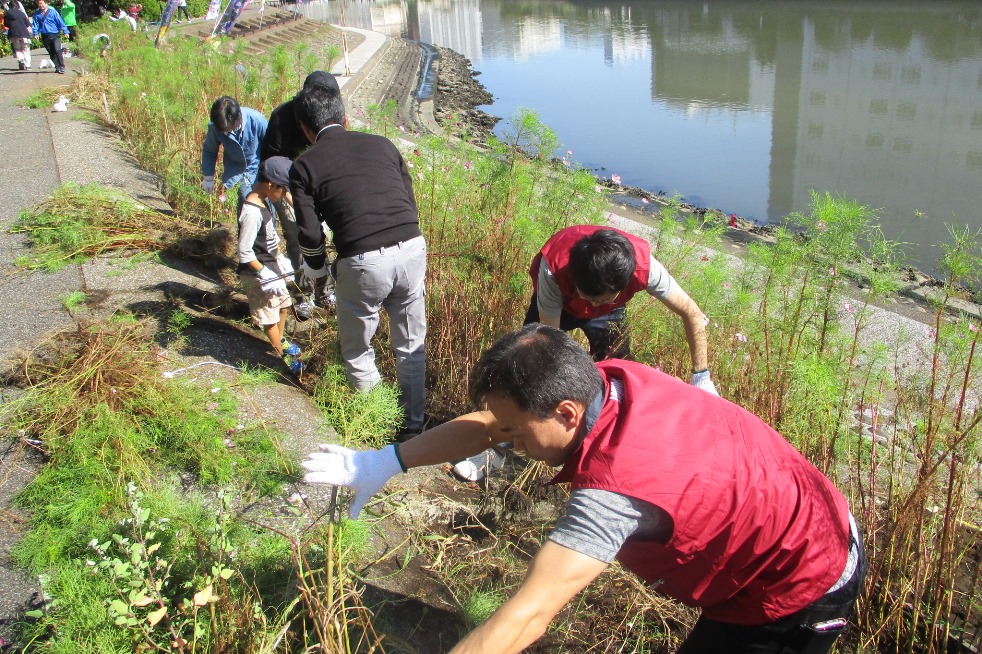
x=549, y=297
x=597, y=522
x=250, y=220
x=661, y=284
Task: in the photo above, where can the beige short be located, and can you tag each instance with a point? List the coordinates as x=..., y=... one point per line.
x=265, y=310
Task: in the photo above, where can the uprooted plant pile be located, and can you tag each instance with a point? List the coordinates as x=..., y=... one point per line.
x=79, y=222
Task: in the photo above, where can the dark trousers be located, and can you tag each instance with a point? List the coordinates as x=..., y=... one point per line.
x=52, y=43
x=793, y=634
x=187, y=16
x=607, y=335
x=72, y=33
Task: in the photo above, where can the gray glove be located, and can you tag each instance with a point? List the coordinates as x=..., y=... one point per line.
x=313, y=273
x=702, y=380
x=363, y=471
x=208, y=183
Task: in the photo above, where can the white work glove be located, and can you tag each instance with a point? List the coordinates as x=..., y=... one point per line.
x=313, y=273
x=363, y=471
x=271, y=283
x=284, y=265
x=701, y=380
x=208, y=183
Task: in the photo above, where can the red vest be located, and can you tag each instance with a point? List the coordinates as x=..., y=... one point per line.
x=556, y=253
x=759, y=532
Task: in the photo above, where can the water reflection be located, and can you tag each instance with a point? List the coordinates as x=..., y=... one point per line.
x=744, y=106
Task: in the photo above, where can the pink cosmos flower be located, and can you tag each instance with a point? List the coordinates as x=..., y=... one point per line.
x=972, y=328
x=644, y=201
x=598, y=189
x=726, y=284
x=849, y=308
x=402, y=129
x=409, y=164
x=740, y=337
x=569, y=153
x=468, y=165
x=615, y=179
x=832, y=271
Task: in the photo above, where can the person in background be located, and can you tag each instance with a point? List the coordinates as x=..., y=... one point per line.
x=261, y=269
x=18, y=27
x=122, y=15
x=134, y=10
x=67, y=12
x=285, y=138
x=238, y=131
x=585, y=275
x=48, y=24
x=695, y=495
x=182, y=6
x=359, y=185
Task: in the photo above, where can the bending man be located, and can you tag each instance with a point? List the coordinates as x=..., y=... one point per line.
x=239, y=131
x=360, y=186
x=694, y=494
x=585, y=275
x=285, y=138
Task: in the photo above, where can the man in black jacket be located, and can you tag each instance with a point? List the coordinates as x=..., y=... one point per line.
x=285, y=138
x=360, y=186
x=18, y=27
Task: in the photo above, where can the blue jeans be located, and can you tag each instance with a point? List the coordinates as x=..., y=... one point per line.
x=607, y=334
x=792, y=634
x=391, y=278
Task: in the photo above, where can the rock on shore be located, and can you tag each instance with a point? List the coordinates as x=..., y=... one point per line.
x=459, y=93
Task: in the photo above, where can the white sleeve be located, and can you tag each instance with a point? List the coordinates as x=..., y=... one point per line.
x=661, y=284
x=249, y=221
x=550, y=298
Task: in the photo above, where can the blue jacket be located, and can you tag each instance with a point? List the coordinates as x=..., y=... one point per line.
x=240, y=150
x=50, y=22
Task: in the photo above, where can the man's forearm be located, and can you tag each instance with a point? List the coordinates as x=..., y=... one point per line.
x=452, y=441
x=694, y=323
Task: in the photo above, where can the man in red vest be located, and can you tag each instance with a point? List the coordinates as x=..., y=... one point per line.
x=585, y=275
x=694, y=494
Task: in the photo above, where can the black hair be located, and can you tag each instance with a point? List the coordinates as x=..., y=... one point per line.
x=536, y=367
x=226, y=115
x=318, y=106
x=602, y=263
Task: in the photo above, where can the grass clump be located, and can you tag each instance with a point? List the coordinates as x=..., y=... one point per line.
x=79, y=222
x=362, y=418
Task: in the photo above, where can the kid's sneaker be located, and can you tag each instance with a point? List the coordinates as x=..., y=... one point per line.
x=295, y=366
x=290, y=348
x=477, y=467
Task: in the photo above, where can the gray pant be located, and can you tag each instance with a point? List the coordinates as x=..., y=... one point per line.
x=391, y=278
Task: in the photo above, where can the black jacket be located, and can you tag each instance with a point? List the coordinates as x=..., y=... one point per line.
x=284, y=137
x=360, y=186
x=17, y=23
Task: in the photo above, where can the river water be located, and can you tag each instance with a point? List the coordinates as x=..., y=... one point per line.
x=744, y=106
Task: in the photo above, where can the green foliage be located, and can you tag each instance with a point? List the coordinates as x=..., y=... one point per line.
x=42, y=98
x=362, y=418
x=73, y=300
x=5, y=49
x=178, y=321
x=480, y=604
x=251, y=376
